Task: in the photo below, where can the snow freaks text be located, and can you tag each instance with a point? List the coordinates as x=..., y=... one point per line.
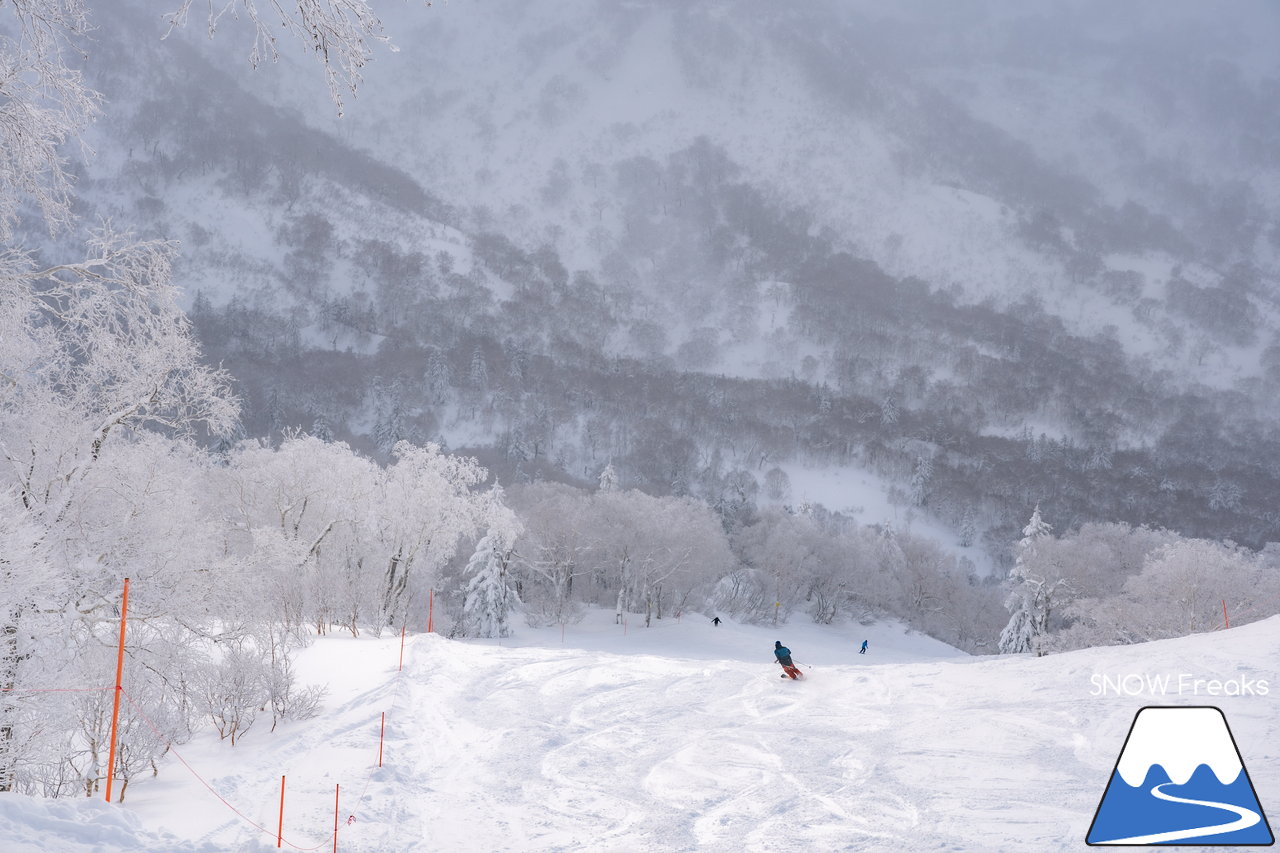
x=1183, y=684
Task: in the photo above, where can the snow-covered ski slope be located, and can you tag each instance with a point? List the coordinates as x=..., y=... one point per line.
x=681, y=737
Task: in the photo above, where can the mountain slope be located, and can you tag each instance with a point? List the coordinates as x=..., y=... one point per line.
x=682, y=737
x=707, y=241
x=1037, y=151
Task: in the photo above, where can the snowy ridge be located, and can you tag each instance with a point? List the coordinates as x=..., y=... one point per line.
x=1179, y=740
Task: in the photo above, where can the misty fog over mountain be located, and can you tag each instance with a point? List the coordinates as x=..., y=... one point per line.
x=871, y=286
x=1033, y=251
x=594, y=346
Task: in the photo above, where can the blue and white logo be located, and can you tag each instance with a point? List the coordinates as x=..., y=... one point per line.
x=1180, y=780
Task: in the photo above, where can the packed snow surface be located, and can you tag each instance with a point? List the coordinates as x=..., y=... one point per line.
x=679, y=737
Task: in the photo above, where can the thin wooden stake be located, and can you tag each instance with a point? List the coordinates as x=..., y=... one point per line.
x=431, y=604
x=1226, y=620
x=280, y=826
x=402, y=630
x=335, y=818
x=115, y=706
x=381, y=733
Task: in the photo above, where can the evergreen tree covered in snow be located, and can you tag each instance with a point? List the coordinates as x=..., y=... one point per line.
x=1030, y=598
x=391, y=426
x=479, y=374
x=968, y=529
x=889, y=411
x=608, y=479
x=436, y=377
x=920, y=478
x=490, y=596
x=321, y=428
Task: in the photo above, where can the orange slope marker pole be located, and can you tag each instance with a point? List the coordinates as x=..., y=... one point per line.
x=115, y=705
x=280, y=826
x=335, y=817
x=1226, y=620
x=381, y=733
x=431, y=604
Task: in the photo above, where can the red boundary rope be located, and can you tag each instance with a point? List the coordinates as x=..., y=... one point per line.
x=202, y=780
x=54, y=689
x=273, y=834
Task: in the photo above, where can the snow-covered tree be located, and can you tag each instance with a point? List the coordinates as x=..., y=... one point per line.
x=920, y=477
x=1099, y=459
x=297, y=517
x=608, y=479
x=102, y=389
x=424, y=507
x=777, y=484
x=968, y=528
x=889, y=410
x=1098, y=559
x=922, y=577
x=1224, y=495
x=321, y=428
x=95, y=360
x=1031, y=596
x=93, y=351
x=554, y=550
x=25, y=573
x=782, y=550
x=46, y=104
x=646, y=547
x=390, y=425
x=436, y=377
x=491, y=594
x=1182, y=589
x=478, y=375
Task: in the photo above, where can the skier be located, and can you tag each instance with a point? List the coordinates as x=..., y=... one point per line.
x=863, y=650
x=716, y=621
x=783, y=654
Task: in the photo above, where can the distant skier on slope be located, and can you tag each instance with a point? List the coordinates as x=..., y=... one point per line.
x=863, y=650
x=783, y=654
x=716, y=621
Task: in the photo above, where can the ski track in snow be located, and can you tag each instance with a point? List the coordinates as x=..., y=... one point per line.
x=496, y=749
x=685, y=744
x=535, y=750
x=641, y=757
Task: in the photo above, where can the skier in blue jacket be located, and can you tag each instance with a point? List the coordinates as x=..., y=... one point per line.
x=782, y=653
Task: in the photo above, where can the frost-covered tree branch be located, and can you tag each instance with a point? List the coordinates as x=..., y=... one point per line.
x=103, y=390
x=91, y=349
x=44, y=102
x=341, y=33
